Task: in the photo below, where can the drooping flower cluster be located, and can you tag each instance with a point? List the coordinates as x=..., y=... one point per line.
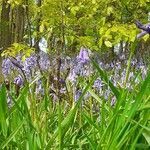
x=81, y=65
x=80, y=68
x=30, y=67
x=83, y=56
x=18, y=81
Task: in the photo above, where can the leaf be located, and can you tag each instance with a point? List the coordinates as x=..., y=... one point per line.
x=109, y=10
x=3, y=110
x=42, y=28
x=102, y=21
x=146, y=37
x=106, y=79
x=74, y=10
x=100, y=42
x=11, y=136
x=108, y=43
x=146, y=135
x=68, y=121
x=23, y=58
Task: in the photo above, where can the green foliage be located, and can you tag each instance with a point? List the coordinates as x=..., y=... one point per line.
x=18, y=49
x=116, y=33
x=45, y=124
x=14, y=3
x=82, y=23
x=89, y=23
x=86, y=23
x=41, y=123
x=3, y=111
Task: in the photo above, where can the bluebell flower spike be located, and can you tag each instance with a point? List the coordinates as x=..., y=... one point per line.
x=140, y=35
x=145, y=28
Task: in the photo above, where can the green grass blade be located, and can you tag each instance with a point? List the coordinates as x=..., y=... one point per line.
x=3, y=110
x=146, y=135
x=70, y=118
x=12, y=135
x=105, y=78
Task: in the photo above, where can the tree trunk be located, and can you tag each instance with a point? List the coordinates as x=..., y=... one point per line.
x=5, y=25
x=5, y=39
x=19, y=24
x=37, y=39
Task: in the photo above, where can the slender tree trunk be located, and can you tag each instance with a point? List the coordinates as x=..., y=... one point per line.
x=19, y=23
x=37, y=40
x=28, y=23
x=12, y=27
x=5, y=39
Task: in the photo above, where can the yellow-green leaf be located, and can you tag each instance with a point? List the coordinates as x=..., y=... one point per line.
x=108, y=43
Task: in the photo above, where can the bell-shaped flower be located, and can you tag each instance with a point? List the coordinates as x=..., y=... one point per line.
x=145, y=29
x=18, y=81
x=83, y=56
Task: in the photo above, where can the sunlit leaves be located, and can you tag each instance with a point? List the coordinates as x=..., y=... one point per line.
x=109, y=10
x=16, y=49
x=146, y=37
x=74, y=10
x=90, y=22
x=14, y=3
x=115, y=33
x=108, y=43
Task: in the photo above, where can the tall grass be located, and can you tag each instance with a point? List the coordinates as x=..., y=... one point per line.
x=45, y=124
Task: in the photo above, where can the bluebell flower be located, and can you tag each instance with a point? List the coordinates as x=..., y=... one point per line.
x=6, y=67
x=145, y=29
x=83, y=56
x=107, y=94
x=77, y=95
x=39, y=88
x=98, y=84
x=72, y=76
x=44, y=61
x=18, y=81
x=113, y=101
x=118, y=65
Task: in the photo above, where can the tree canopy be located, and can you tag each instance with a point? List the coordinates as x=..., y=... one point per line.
x=89, y=23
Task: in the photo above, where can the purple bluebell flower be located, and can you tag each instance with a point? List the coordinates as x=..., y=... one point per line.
x=31, y=61
x=77, y=95
x=113, y=101
x=39, y=88
x=63, y=90
x=83, y=56
x=6, y=67
x=18, y=81
x=44, y=61
x=145, y=29
x=107, y=94
x=72, y=76
x=98, y=84
x=131, y=75
x=118, y=65
x=133, y=62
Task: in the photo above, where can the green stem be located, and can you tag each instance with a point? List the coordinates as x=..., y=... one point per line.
x=133, y=46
